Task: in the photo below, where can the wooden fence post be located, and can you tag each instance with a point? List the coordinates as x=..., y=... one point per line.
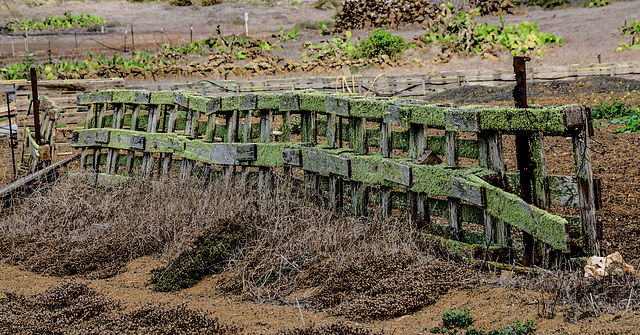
x=491, y=157
x=358, y=142
x=386, y=146
x=265, y=174
x=451, y=138
x=416, y=202
x=586, y=192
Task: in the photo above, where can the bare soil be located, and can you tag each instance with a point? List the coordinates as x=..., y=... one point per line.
x=588, y=32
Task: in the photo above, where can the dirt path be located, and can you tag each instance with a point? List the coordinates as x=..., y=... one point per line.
x=492, y=307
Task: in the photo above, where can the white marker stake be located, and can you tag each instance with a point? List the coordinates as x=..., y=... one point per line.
x=246, y=23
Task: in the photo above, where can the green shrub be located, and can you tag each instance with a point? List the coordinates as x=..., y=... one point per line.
x=56, y=22
x=381, y=42
x=452, y=322
x=456, y=32
x=631, y=30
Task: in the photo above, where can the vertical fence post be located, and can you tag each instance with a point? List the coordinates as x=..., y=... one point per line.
x=358, y=142
x=112, y=154
x=586, y=191
x=152, y=127
x=134, y=125
x=265, y=174
x=386, y=147
x=523, y=154
x=246, y=138
x=309, y=135
x=491, y=157
x=36, y=104
x=98, y=124
x=451, y=138
x=416, y=202
x=232, y=126
x=335, y=183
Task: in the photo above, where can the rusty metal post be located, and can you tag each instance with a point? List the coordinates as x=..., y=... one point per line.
x=36, y=104
x=523, y=154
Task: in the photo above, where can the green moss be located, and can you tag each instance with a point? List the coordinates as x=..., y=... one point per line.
x=161, y=98
x=122, y=96
x=84, y=99
x=238, y=102
x=548, y=120
x=369, y=108
x=430, y=115
x=269, y=101
x=313, y=102
x=198, y=103
x=512, y=210
x=270, y=154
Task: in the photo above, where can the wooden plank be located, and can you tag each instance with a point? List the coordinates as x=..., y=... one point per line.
x=289, y=102
x=397, y=173
x=292, y=156
x=338, y=105
x=462, y=120
x=308, y=128
x=320, y=161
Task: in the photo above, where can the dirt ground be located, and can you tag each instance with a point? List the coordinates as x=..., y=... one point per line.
x=493, y=306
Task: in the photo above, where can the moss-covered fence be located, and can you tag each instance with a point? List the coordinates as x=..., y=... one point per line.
x=360, y=153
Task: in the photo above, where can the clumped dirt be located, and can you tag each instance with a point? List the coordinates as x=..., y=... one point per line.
x=73, y=307
x=388, y=286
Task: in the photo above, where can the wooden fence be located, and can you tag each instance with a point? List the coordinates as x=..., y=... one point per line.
x=359, y=153
x=64, y=92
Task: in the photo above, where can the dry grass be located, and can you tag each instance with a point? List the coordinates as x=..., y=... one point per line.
x=577, y=297
x=74, y=227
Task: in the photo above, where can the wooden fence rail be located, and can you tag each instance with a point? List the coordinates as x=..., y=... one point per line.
x=359, y=153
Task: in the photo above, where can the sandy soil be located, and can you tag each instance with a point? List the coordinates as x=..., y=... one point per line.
x=492, y=307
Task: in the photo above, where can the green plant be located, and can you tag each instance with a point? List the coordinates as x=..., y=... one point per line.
x=452, y=322
x=599, y=3
x=631, y=30
x=336, y=47
x=56, y=22
x=323, y=28
x=381, y=42
x=456, y=32
x=292, y=35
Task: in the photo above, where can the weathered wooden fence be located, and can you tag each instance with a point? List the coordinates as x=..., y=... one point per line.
x=34, y=153
x=359, y=153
